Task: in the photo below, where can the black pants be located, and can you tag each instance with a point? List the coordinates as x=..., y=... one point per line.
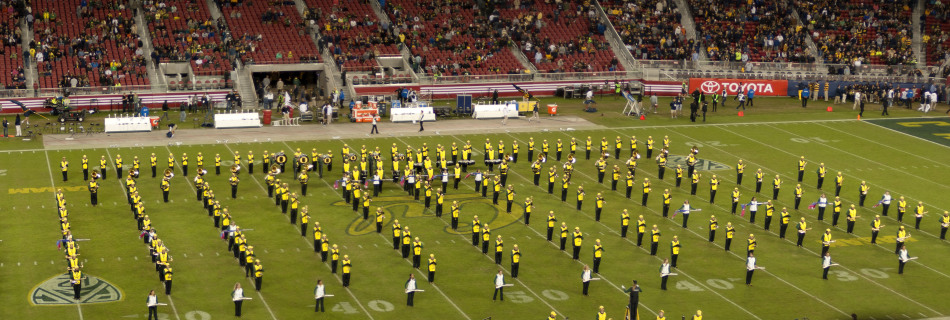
x=850, y=226
x=85, y=174
x=653, y=247
x=943, y=233
x=563, y=243
x=712, y=196
x=758, y=186
x=685, y=219
x=663, y=282
x=661, y=172
x=673, y=258
x=346, y=280
x=824, y=273
x=514, y=270
x=874, y=236
x=775, y=193
x=153, y=310
x=474, y=239
x=102, y=172
x=781, y=230
x=629, y=191
x=900, y=269
x=643, y=202
x=861, y=198
x=319, y=306
x=485, y=247
x=821, y=213
x=768, y=222
x=712, y=235
x=666, y=210
x=550, y=233
x=679, y=180
x=405, y=251
x=168, y=287
x=577, y=253
x=801, y=175
x=65, y=173
x=739, y=179
x=76, y=289
x=834, y=218
x=586, y=287
x=748, y=277
x=237, y=308
x=801, y=238
x=728, y=243
x=692, y=190
x=837, y=190
x=411, y=294
x=821, y=181
x=499, y=291
x=94, y=198
x=374, y=130
x=884, y=208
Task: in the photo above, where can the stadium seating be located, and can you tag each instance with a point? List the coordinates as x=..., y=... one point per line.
x=354, y=30
x=936, y=31
x=561, y=37
x=879, y=32
x=649, y=33
x=95, y=43
x=763, y=30
x=452, y=39
x=269, y=32
x=183, y=30
x=12, y=75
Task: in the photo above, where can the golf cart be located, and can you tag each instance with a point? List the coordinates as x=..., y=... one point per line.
x=62, y=110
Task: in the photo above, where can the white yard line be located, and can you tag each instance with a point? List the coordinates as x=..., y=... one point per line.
x=420, y=271
x=886, y=145
x=49, y=168
x=358, y=302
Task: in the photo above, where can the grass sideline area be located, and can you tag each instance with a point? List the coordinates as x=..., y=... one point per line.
x=771, y=136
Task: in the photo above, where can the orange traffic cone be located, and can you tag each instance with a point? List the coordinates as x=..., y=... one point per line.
x=741, y=113
x=859, y=117
x=643, y=117
x=829, y=108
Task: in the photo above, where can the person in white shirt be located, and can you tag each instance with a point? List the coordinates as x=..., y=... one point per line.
x=237, y=295
x=857, y=100
x=499, y=286
x=152, y=303
x=410, y=289
x=374, y=130
x=319, y=293
x=664, y=273
x=885, y=203
x=504, y=116
x=585, y=278
x=822, y=203
x=826, y=265
x=750, y=268
x=903, y=257
x=589, y=99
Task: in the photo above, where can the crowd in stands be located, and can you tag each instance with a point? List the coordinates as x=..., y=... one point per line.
x=455, y=37
x=749, y=30
x=86, y=43
x=10, y=52
x=935, y=26
x=268, y=31
x=859, y=32
x=352, y=32
x=650, y=29
x=558, y=37
x=183, y=30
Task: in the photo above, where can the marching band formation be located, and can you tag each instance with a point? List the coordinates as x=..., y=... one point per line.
x=423, y=174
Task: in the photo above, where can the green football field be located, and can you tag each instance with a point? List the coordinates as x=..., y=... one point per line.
x=898, y=157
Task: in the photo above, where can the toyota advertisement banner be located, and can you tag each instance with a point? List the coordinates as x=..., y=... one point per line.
x=733, y=86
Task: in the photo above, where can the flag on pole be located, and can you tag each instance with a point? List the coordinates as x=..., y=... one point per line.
x=812, y=205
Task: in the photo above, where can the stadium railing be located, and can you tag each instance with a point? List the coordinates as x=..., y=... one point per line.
x=606, y=75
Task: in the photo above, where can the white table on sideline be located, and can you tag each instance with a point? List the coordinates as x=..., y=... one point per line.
x=127, y=124
x=494, y=111
x=237, y=120
x=411, y=114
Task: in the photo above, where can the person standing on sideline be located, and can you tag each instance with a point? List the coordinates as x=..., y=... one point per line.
x=499, y=286
x=237, y=296
x=16, y=124
x=750, y=267
x=6, y=126
x=826, y=265
x=410, y=289
x=319, y=293
x=504, y=116
x=664, y=273
x=857, y=100
x=421, y=117
x=375, y=129
x=805, y=93
x=152, y=303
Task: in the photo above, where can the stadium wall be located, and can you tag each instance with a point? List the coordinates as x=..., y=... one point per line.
x=110, y=101
x=449, y=91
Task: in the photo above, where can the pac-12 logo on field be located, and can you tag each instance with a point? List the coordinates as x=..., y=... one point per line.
x=701, y=164
x=58, y=291
x=710, y=86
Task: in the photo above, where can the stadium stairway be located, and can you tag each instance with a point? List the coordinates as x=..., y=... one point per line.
x=244, y=85
x=157, y=81
x=686, y=20
x=616, y=43
x=525, y=63
x=917, y=42
x=812, y=47
x=30, y=68
x=214, y=10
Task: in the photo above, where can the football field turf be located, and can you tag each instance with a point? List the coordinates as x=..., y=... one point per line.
x=709, y=278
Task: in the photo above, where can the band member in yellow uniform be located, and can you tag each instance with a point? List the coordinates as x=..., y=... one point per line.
x=801, y=168
x=740, y=169
x=85, y=168
x=798, y=195
x=578, y=239
x=94, y=192
x=334, y=254
x=783, y=226
x=64, y=166
x=304, y=219
x=646, y=192
x=730, y=233
x=776, y=186
x=416, y=253
x=759, y=177
x=821, y=174
x=486, y=238
x=919, y=214
x=826, y=242
x=713, y=225
x=624, y=223
x=528, y=206
x=564, y=233
x=852, y=217
x=694, y=179
x=654, y=240
x=515, y=260
x=476, y=231
x=802, y=228
x=184, y=163
x=406, y=242
x=431, y=267
x=598, y=255
x=751, y=244
x=679, y=175
x=944, y=224
x=347, y=269
x=118, y=165
x=455, y=215
x=839, y=179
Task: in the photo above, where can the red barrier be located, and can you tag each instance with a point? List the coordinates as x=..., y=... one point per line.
x=733, y=86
